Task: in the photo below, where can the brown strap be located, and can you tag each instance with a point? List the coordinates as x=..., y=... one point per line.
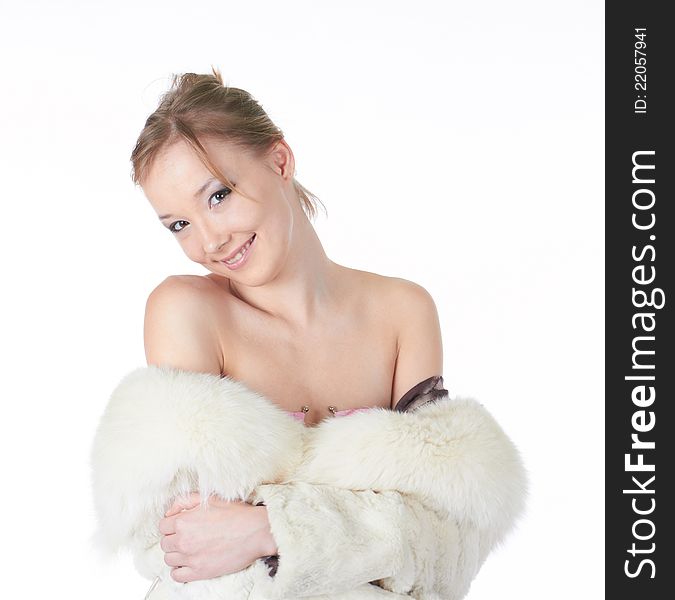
x=429, y=390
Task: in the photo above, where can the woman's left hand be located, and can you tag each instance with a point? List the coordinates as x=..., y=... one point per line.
x=203, y=543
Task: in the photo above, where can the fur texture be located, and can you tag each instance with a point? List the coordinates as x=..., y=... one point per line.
x=413, y=502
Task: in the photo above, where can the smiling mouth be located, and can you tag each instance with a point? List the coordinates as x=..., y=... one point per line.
x=235, y=258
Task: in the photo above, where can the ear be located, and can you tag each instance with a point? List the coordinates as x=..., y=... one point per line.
x=281, y=160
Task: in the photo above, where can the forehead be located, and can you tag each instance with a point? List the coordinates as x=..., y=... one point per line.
x=177, y=171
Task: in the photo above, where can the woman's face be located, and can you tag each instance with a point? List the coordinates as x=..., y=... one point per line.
x=211, y=221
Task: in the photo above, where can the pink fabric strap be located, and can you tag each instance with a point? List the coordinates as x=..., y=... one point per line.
x=299, y=415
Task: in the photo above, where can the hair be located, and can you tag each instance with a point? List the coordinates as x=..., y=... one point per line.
x=200, y=106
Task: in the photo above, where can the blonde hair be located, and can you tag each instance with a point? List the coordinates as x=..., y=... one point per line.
x=200, y=106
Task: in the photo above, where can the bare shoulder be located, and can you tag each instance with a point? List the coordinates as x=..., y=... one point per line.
x=184, y=284
x=410, y=295
x=400, y=305
x=192, y=297
x=179, y=324
x=395, y=293
x=414, y=307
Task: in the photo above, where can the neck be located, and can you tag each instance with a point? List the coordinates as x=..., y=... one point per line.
x=306, y=286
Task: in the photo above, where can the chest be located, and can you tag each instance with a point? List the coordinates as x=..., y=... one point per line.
x=346, y=362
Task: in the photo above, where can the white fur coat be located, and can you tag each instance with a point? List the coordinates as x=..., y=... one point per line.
x=378, y=504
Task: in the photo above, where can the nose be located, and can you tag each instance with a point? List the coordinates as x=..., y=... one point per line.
x=213, y=247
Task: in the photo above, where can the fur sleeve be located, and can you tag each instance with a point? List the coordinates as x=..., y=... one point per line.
x=332, y=540
x=166, y=432
x=451, y=485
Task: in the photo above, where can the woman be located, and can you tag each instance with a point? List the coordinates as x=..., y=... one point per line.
x=318, y=339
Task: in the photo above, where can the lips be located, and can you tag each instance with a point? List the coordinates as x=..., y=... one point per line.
x=230, y=256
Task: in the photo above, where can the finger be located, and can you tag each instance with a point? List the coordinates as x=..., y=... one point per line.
x=168, y=543
x=167, y=525
x=183, y=503
x=175, y=559
x=183, y=574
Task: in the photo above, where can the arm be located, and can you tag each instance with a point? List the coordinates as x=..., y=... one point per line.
x=332, y=540
x=420, y=349
x=379, y=523
x=415, y=502
x=178, y=334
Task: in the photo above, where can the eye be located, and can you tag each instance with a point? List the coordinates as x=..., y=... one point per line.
x=219, y=196
x=175, y=229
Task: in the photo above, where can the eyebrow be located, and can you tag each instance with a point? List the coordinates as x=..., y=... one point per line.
x=198, y=193
x=206, y=184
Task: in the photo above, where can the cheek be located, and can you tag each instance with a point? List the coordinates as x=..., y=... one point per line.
x=192, y=248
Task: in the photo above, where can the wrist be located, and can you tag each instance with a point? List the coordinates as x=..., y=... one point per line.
x=266, y=544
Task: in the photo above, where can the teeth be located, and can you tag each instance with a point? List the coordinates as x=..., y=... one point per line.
x=235, y=259
x=239, y=254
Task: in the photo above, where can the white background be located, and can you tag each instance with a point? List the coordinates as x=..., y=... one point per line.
x=458, y=145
